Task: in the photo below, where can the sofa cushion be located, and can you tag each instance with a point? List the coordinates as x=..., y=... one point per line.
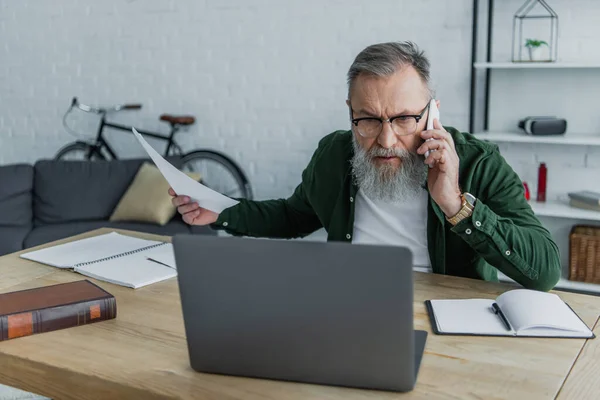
x=12, y=238
x=147, y=198
x=68, y=191
x=16, y=182
x=47, y=233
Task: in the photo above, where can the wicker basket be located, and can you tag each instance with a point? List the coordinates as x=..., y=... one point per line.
x=584, y=254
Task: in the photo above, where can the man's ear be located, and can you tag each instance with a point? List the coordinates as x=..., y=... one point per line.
x=348, y=102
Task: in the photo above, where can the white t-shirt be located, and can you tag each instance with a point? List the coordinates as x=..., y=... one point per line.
x=396, y=224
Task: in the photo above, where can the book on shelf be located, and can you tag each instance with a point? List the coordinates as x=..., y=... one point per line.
x=119, y=259
x=586, y=196
x=50, y=308
x=517, y=313
x=583, y=205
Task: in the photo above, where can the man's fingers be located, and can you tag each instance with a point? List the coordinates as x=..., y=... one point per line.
x=435, y=134
x=186, y=208
x=190, y=217
x=437, y=157
x=172, y=192
x=438, y=134
x=432, y=145
x=180, y=200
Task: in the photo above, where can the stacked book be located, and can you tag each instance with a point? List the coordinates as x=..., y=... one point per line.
x=585, y=199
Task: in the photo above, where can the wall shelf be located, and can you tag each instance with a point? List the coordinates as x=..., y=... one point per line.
x=562, y=209
x=567, y=139
x=483, y=67
x=534, y=65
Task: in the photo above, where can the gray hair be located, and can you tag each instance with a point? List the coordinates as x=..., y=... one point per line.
x=384, y=59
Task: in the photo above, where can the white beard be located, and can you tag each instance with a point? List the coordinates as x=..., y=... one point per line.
x=387, y=182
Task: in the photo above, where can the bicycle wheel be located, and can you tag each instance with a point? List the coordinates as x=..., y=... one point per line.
x=78, y=151
x=218, y=172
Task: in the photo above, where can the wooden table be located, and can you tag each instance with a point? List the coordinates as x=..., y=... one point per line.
x=583, y=382
x=143, y=353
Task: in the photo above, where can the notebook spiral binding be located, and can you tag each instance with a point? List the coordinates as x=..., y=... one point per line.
x=119, y=255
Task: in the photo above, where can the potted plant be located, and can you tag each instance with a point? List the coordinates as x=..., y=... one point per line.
x=534, y=48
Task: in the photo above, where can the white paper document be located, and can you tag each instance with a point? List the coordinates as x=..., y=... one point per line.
x=184, y=185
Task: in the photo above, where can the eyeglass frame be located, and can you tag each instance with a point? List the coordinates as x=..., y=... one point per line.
x=417, y=118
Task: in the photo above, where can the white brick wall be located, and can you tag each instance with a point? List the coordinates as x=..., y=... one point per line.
x=265, y=78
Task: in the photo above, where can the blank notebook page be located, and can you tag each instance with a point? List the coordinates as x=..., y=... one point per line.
x=85, y=250
x=133, y=271
x=527, y=308
x=162, y=254
x=468, y=316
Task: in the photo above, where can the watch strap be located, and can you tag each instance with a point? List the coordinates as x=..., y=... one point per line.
x=466, y=210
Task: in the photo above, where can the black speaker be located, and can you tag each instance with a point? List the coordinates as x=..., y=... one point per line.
x=543, y=126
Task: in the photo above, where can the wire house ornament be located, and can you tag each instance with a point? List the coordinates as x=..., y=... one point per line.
x=521, y=17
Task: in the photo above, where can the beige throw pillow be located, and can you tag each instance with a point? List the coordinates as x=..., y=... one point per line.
x=147, y=198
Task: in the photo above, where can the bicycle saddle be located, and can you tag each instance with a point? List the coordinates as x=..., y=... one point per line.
x=178, y=119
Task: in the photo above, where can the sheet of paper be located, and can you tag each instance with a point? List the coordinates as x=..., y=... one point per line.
x=544, y=310
x=468, y=316
x=85, y=250
x=184, y=185
x=133, y=271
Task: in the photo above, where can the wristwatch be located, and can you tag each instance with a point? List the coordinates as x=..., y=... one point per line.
x=468, y=204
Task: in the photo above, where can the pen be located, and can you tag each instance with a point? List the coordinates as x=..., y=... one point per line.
x=498, y=311
x=161, y=263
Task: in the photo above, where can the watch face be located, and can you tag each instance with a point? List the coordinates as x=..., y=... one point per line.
x=470, y=198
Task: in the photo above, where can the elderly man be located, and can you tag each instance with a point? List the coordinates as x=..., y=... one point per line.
x=461, y=209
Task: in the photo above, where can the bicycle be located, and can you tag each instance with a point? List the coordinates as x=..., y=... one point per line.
x=224, y=175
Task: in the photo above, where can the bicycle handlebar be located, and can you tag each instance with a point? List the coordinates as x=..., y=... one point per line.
x=96, y=110
x=132, y=106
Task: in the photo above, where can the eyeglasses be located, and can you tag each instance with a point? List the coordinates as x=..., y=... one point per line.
x=402, y=125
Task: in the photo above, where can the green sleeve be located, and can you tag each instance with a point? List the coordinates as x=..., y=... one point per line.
x=282, y=218
x=504, y=230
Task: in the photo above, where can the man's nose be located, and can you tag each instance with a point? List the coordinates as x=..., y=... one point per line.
x=387, y=138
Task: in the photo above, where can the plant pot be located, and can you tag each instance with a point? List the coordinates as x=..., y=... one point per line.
x=535, y=53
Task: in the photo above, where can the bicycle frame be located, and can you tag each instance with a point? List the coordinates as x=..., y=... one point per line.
x=176, y=123
x=102, y=143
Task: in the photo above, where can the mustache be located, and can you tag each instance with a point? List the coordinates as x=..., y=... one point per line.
x=382, y=152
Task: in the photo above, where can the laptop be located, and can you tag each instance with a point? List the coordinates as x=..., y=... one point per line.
x=326, y=313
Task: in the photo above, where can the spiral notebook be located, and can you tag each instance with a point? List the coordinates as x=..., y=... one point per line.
x=112, y=257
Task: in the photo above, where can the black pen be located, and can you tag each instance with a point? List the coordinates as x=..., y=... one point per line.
x=498, y=311
x=160, y=262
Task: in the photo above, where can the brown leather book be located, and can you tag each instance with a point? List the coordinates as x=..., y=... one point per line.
x=50, y=308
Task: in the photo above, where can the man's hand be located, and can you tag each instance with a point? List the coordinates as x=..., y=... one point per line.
x=442, y=178
x=191, y=212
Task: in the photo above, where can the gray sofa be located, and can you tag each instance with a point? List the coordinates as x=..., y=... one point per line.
x=55, y=199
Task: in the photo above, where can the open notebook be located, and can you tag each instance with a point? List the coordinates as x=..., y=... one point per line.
x=519, y=312
x=112, y=257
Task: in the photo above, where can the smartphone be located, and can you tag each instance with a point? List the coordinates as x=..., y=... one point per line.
x=434, y=112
